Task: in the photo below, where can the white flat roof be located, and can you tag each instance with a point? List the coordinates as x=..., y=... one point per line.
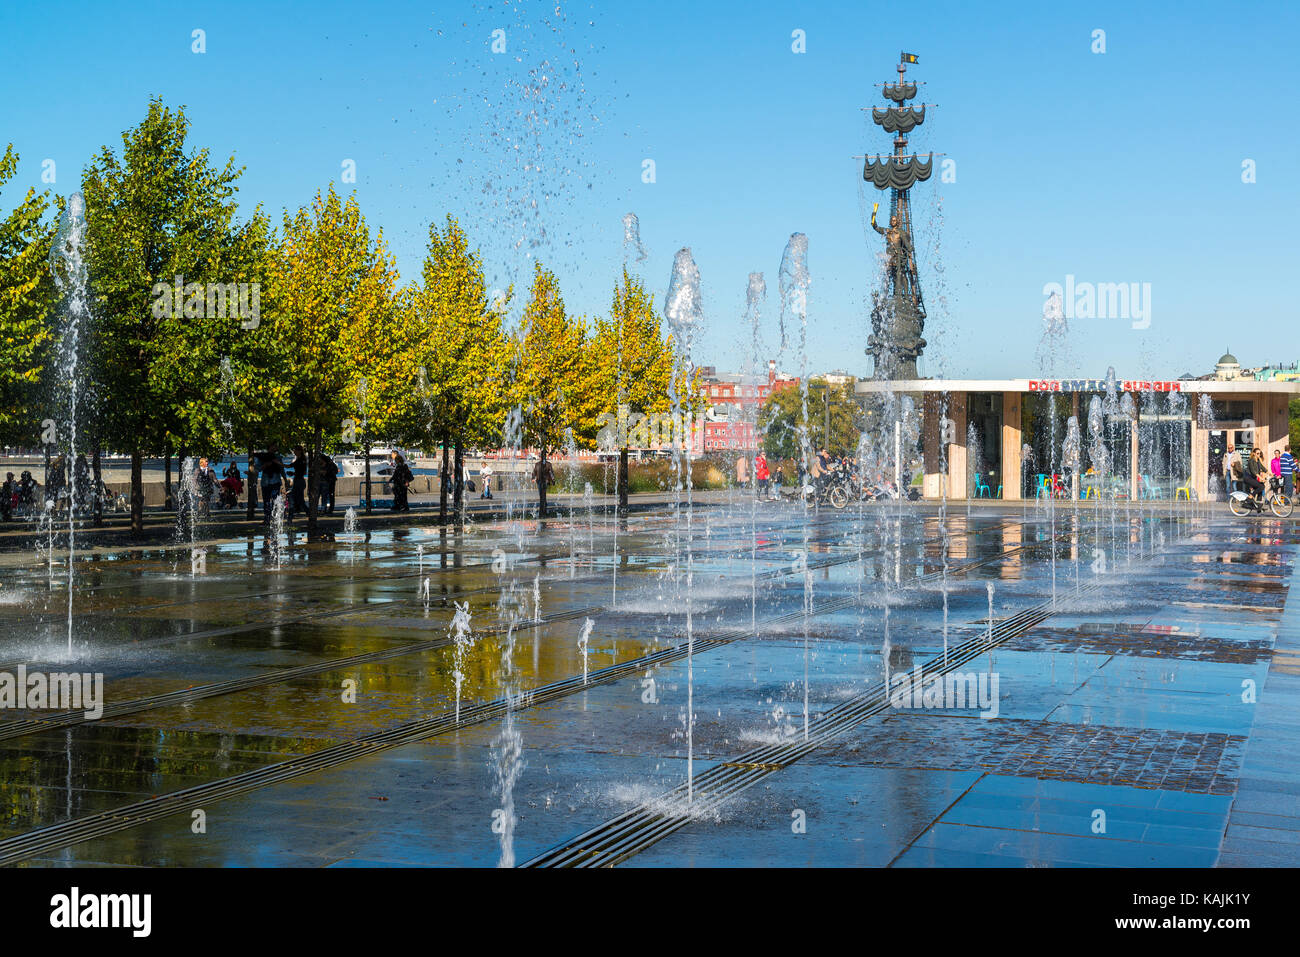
x=1067, y=385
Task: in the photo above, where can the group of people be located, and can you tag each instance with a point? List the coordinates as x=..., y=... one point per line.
x=22, y=496
x=824, y=470
x=1250, y=470
x=762, y=475
x=276, y=482
x=18, y=496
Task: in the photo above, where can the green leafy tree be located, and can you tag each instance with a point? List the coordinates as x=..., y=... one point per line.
x=26, y=294
x=781, y=418
x=155, y=212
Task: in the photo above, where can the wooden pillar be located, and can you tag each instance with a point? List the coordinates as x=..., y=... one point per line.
x=958, y=481
x=1279, y=423
x=931, y=436
x=1200, y=455
x=1012, y=440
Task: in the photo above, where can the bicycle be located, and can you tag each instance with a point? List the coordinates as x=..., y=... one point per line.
x=1243, y=503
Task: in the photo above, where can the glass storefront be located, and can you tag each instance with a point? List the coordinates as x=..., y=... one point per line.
x=984, y=445
x=1107, y=449
x=1043, y=419
x=1164, y=444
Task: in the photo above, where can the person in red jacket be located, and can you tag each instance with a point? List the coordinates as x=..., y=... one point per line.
x=761, y=473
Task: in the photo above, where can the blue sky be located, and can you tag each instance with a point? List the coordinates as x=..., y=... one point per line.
x=1123, y=166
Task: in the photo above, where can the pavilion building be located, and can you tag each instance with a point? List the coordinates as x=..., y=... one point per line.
x=1003, y=436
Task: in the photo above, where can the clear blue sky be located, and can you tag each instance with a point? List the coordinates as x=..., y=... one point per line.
x=1116, y=167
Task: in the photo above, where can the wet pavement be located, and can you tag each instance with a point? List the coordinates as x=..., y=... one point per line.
x=1138, y=708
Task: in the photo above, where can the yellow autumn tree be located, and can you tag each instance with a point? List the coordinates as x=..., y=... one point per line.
x=333, y=287
x=557, y=384
x=635, y=360
x=466, y=353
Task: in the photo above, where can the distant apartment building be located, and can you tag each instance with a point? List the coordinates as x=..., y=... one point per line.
x=1278, y=373
x=733, y=403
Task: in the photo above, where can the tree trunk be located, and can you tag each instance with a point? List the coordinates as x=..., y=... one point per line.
x=137, y=494
x=541, y=484
x=459, y=483
x=97, y=500
x=251, y=486
x=313, y=483
x=367, y=479
x=622, y=479
x=442, y=483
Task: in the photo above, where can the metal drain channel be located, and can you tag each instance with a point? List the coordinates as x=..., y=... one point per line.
x=63, y=719
x=395, y=603
x=63, y=834
x=24, y=726
x=66, y=833
x=628, y=834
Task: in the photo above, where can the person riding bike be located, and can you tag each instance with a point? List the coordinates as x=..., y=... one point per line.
x=1257, y=470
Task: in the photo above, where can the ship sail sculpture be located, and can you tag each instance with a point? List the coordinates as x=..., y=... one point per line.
x=898, y=311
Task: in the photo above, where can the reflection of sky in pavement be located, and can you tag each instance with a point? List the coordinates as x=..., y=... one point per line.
x=1131, y=700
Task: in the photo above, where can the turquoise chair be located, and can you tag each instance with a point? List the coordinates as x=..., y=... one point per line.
x=1043, y=487
x=981, y=488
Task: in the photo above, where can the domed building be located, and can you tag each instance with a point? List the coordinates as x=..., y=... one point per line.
x=1227, y=368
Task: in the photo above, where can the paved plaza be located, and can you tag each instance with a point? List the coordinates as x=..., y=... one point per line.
x=1133, y=695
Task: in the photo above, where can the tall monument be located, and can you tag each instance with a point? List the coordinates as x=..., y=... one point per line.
x=898, y=310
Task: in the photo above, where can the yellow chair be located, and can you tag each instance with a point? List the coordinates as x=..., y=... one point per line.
x=1184, y=490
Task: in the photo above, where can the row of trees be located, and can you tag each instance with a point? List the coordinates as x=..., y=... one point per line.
x=212, y=332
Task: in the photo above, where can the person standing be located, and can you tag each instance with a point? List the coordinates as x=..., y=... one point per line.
x=543, y=475
x=1287, y=467
x=762, y=474
x=205, y=483
x=8, y=497
x=1229, y=476
x=56, y=483
x=81, y=485
x=327, y=474
x=299, y=501
x=27, y=489
x=330, y=483
x=402, y=478
x=271, y=476
x=485, y=477
x=742, y=471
